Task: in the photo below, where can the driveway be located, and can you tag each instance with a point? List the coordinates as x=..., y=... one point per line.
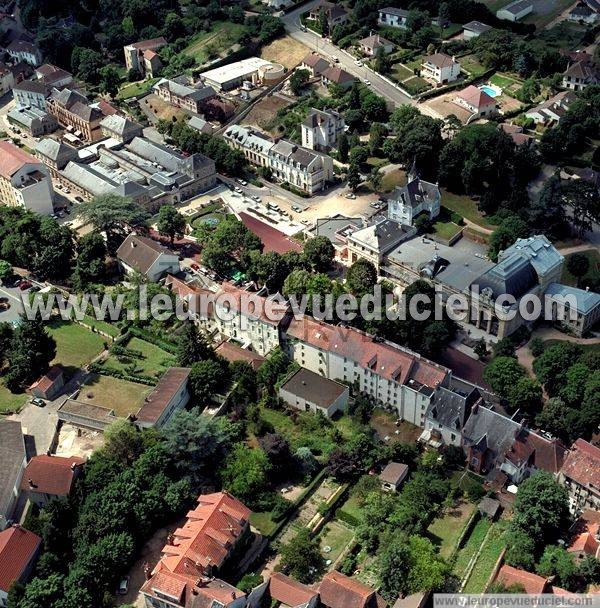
x=312, y=40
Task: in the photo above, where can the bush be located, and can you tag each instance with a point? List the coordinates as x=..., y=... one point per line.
x=536, y=346
x=457, y=218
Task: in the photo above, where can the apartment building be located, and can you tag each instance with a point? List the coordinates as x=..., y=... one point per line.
x=33, y=120
x=395, y=377
x=120, y=128
x=22, y=50
x=72, y=111
x=24, y=181
x=580, y=474
x=183, y=96
x=321, y=129
x=30, y=93
x=300, y=167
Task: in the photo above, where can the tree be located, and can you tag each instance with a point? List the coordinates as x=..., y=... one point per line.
x=502, y=374
x=318, y=253
x=113, y=215
x=428, y=570
x=354, y=177
x=377, y=134
x=558, y=562
x=547, y=212
x=589, y=570
x=510, y=229
x=124, y=442
x=277, y=449
x=170, y=222
x=526, y=395
x=578, y=265
x=301, y=557
x=6, y=270
x=541, y=512
x=87, y=64
x=584, y=201
x=192, y=346
x=206, y=378
x=361, y=277
x=375, y=177
x=90, y=266
x=109, y=80
x=402, y=116
x=245, y=473
x=41, y=593
x=573, y=387
x=551, y=366
x=395, y=563
x=480, y=348
x=30, y=351
x=342, y=147
x=298, y=81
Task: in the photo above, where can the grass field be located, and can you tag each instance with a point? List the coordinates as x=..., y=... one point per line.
x=585, y=347
x=107, y=328
x=470, y=64
x=208, y=45
x=75, y=345
x=120, y=395
x=446, y=230
x=11, y=403
x=286, y=51
x=566, y=35
x=262, y=522
x=495, y=542
x=400, y=73
x=593, y=257
x=335, y=537
x=446, y=530
x=153, y=361
x=470, y=547
x=545, y=12
x=134, y=89
x=416, y=85
x=394, y=178
x=466, y=207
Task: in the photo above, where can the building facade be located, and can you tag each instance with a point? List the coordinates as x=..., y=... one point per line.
x=142, y=56
x=440, y=68
x=321, y=128
x=580, y=475
x=72, y=111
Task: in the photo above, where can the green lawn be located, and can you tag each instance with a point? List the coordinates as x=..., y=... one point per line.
x=585, y=347
x=470, y=547
x=394, y=178
x=446, y=530
x=446, y=230
x=107, y=328
x=465, y=206
x=207, y=45
x=566, y=35
x=593, y=257
x=336, y=537
x=135, y=89
x=470, y=64
x=75, y=345
x=154, y=361
x=262, y=522
x=400, y=73
x=542, y=19
x=416, y=85
x=486, y=561
x=502, y=81
x=120, y=395
x=352, y=507
x=11, y=403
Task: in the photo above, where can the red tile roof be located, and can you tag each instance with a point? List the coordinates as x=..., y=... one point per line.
x=390, y=362
x=532, y=583
x=545, y=454
x=586, y=538
x=340, y=591
x=232, y=352
x=211, y=531
x=51, y=474
x=582, y=464
x=394, y=472
x=476, y=97
x=289, y=591
x=18, y=547
x=12, y=158
x=46, y=382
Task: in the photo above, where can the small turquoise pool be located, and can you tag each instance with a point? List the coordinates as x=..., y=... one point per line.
x=492, y=92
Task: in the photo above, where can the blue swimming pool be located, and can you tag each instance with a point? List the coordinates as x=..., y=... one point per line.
x=489, y=90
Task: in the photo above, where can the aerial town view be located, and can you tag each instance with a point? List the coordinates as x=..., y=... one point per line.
x=299, y=303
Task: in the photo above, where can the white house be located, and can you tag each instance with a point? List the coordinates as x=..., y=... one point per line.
x=21, y=50
x=515, y=10
x=391, y=16
x=474, y=29
x=476, y=101
x=141, y=254
x=310, y=392
x=371, y=45
x=30, y=93
x=553, y=109
x=440, y=68
x=321, y=129
x=416, y=197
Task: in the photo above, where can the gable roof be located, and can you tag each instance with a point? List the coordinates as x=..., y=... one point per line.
x=232, y=352
x=375, y=41
x=440, y=60
x=157, y=401
x=12, y=158
x=394, y=472
x=140, y=252
x=52, y=475
x=337, y=75
x=582, y=464
x=585, y=300
x=477, y=27
x=316, y=62
x=17, y=548
x=545, y=454
x=152, y=43
x=289, y=591
x=474, y=96
x=392, y=10
x=340, y=591
x=47, y=380
x=532, y=583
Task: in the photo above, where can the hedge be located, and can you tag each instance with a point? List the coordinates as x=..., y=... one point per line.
x=103, y=371
x=148, y=336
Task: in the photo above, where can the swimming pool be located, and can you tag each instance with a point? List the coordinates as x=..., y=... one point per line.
x=491, y=91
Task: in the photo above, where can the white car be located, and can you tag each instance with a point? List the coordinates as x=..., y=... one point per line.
x=350, y=195
x=238, y=190
x=359, y=63
x=334, y=59
x=367, y=82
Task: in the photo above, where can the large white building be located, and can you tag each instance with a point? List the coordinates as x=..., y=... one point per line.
x=288, y=162
x=321, y=129
x=232, y=75
x=24, y=180
x=416, y=197
x=515, y=10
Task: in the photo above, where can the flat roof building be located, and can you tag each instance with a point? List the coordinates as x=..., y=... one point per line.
x=233, y=75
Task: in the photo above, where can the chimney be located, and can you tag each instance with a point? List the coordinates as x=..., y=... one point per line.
x=475, y=408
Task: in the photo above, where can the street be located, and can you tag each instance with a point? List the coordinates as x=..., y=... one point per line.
x=312, y=40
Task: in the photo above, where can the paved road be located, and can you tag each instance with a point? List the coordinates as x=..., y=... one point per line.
x=328, y=50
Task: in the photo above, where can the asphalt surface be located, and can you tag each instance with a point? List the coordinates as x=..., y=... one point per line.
x=380, y=86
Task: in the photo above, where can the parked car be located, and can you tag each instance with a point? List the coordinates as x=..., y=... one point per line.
x=79, y=199
x=38, y=402
x=23, y=285
x=123, y=586
x=358, y=62
x=238, y=190
x=296, y=208
x=350, y=195
x=334, y=59
x=367, y=82
x=256, y=198
x=194, y=267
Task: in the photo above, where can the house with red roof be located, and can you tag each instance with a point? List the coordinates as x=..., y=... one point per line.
x=195, y=553
x=19, y=550
x=476, y=101
x=49, y=385
x=290, y=593
x=390, y=374
x=340, y=591
x=529, y=582
x=47, y=477
x=586, y=536
x=580, y=474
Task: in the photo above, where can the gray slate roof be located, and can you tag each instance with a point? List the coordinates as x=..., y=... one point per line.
x=415, y=192
x=12, y=455
x=514, y=275
x=586, y=300
x=539, y=250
